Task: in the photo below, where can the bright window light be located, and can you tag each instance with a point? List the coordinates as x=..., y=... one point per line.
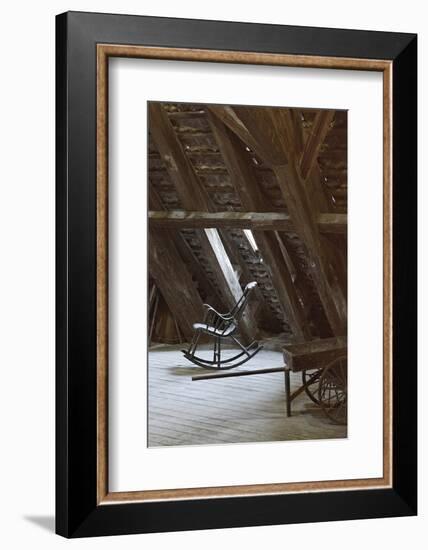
x=251, y=239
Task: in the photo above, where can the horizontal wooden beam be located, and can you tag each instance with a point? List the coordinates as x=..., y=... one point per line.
x=333, y=223
x=263, y=221
x=257, y=221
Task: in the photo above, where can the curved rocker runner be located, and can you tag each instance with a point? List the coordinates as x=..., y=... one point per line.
x=221, y=327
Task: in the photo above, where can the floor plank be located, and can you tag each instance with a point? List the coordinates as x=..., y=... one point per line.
x=234, y=410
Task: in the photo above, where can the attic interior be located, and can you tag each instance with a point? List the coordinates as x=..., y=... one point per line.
x=241, y=194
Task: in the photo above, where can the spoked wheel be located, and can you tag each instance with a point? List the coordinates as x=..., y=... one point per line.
x=310, y=380
x=332, y=390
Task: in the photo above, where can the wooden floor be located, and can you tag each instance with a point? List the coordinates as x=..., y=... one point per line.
x=234, y=410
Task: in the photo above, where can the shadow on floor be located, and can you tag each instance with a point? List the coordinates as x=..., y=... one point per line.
x=45, y=522
x=187, y=371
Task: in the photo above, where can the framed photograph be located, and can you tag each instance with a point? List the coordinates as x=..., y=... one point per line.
x=236, y=274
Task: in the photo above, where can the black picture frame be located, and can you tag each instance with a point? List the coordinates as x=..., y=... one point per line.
x=77, y=511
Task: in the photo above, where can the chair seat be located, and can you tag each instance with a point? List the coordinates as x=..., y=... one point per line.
x=212, y=330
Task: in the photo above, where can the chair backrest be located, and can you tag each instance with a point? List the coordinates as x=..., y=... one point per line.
x=238, y=310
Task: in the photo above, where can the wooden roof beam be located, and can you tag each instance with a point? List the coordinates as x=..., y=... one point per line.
x=329, y=223
x=256, y=221
x=179, y=219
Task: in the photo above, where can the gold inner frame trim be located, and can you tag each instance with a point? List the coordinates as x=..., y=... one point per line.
x=104, y=51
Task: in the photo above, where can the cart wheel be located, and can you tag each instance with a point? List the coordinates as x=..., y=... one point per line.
x=332, y=390
x=308, y=380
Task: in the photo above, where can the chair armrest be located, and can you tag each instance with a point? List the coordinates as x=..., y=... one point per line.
x=225, y=317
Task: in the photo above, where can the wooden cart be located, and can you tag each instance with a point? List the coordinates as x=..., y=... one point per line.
x=323, y=364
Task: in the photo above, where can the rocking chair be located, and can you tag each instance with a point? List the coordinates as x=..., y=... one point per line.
x=220, y=327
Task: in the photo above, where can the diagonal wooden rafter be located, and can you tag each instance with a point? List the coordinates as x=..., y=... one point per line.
x=244, y=128
x=321, y=125
x=271, y=137
x=194, y=197
x=245, y=183
x=229, y=118
x=322, y=271
x=313, y=185
x=305, y=211
x=333, y=229
x=191, y=193
x=180, y=293
x=296, y=122
x=182, y=246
